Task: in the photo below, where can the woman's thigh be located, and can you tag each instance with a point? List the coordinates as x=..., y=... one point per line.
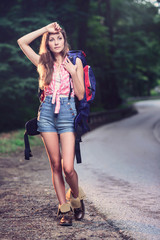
x=68, y=149
x=51, y=142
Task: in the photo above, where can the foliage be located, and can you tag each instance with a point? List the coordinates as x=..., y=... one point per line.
x=13, y=142
x=123, y=50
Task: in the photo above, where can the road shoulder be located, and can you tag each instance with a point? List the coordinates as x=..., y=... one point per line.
x=29, y=204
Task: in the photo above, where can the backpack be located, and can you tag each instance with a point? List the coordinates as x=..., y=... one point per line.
x=82, y=107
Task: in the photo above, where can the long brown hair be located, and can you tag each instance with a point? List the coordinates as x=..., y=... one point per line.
x=47, y=59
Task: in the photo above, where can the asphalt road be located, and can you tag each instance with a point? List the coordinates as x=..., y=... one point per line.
x=121, y=171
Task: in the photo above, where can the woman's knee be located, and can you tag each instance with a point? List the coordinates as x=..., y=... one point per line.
x=68, y=171
x=56, y=166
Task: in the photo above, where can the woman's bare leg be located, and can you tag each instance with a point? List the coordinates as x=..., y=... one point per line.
x=68, y=153
x=51, y=142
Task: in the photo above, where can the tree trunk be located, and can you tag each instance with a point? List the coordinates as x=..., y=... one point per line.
x=83, y=9
x=111, y=83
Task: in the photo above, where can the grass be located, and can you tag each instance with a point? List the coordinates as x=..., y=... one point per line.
x=14, y=141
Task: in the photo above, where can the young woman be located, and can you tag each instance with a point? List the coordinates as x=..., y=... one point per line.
x=56, y=113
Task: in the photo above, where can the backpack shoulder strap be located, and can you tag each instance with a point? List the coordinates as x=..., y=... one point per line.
x=72, y=56
x=77, y=53
x=27, y=151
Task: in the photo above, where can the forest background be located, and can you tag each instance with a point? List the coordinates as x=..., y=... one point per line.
x=120, y=38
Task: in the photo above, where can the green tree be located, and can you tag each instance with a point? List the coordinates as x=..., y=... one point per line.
x=120, y=37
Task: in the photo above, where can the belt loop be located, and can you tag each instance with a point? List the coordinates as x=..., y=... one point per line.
x=50, y=98
x=61, y=100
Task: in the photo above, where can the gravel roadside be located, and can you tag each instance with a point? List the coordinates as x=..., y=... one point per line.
x=28, y=204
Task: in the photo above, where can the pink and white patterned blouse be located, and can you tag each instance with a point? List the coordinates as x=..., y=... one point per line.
x=60, y=85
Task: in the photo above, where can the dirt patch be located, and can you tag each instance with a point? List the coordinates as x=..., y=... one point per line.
x=29, y=204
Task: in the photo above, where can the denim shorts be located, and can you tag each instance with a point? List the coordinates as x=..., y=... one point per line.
x=48, y=121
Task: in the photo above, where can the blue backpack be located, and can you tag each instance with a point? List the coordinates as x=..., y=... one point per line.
x=82, y=106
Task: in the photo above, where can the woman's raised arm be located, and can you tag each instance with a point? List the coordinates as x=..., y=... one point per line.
x=24, y=41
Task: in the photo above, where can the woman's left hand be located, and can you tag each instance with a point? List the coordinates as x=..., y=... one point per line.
x=69, y=66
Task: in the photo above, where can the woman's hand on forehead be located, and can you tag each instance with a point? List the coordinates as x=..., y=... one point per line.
x=53, y=27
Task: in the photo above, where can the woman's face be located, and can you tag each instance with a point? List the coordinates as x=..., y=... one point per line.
x=56, y=42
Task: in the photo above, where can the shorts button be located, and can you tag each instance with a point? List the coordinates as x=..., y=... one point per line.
x=70, y=108
x=72, y=113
